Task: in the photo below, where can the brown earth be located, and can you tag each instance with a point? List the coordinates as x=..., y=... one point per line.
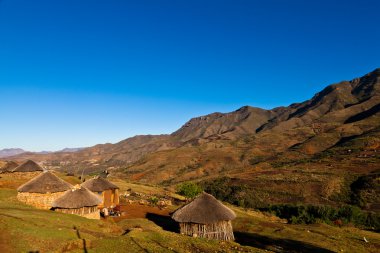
x=134, y=211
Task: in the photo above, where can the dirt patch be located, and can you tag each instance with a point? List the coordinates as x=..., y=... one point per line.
x=133, y=211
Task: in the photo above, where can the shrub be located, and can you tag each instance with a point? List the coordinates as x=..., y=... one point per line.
x=362, y=189
x=189, y=189
x=153, y=200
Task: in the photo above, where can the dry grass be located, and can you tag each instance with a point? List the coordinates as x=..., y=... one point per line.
x=144, y=188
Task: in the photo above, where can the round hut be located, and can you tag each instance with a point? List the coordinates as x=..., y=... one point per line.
x=205, y=217
x=28, y=166
x=27, y=170
x=79, y=201
x=7, y=166
x=107, y=190
x=42, y=190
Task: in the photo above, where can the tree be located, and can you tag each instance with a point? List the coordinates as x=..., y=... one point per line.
x=189, y=190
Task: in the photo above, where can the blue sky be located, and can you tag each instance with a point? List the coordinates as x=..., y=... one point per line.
x=76, y=73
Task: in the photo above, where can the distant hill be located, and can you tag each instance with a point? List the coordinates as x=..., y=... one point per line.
x=341, y=110
x=308, y=151
x=11, y=152
x=70, y=150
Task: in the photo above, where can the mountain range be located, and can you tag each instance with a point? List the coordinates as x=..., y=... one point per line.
x=326, y=143
x=8, y=152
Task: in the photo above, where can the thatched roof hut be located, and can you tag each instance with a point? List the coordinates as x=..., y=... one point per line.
x=8, y=166
x=99, y=184
x=28, y=166
x=108, y=191
x=42, y=190
x=206, y=217
x=44, y=183
x=79, y=201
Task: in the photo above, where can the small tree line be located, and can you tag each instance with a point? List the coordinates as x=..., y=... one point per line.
x=308, y=214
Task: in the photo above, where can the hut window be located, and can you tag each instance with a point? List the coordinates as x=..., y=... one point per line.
x=100, y=193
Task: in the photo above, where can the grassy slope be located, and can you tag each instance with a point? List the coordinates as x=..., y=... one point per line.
x=48, y=231
x=144, y=188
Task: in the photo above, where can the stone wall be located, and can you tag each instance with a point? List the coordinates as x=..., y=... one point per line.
x=39, y=200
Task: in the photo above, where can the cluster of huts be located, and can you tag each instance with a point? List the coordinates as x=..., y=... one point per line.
x=205, y=216
x=29, y=167
x=47, y=191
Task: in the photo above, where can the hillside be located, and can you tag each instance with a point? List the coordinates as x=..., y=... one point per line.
x=308, y=152
x=49, y=231
x=312, y=152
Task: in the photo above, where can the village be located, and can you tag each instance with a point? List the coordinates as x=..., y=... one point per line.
x=97, y=198
x=144, y=218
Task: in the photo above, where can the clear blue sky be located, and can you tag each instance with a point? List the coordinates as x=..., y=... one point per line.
x=76, y=73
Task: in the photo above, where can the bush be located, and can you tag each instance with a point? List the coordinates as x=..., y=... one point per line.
x=233, y=192
x=363, y=189
x=153, y=200
x=189, y=190
x=307, y=214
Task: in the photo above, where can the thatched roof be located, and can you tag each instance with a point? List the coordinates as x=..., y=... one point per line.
x=77, y=198
x=8, y=167
x=44, y=183
x=205, y=209
x=28, y=166
x=98, y=184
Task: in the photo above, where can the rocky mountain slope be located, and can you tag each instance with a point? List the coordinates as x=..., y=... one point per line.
x=252, y=143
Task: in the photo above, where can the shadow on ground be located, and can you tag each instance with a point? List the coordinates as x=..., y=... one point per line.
x=275, y=244
x=247, y=239
x=166, y=222
x=83, y=240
